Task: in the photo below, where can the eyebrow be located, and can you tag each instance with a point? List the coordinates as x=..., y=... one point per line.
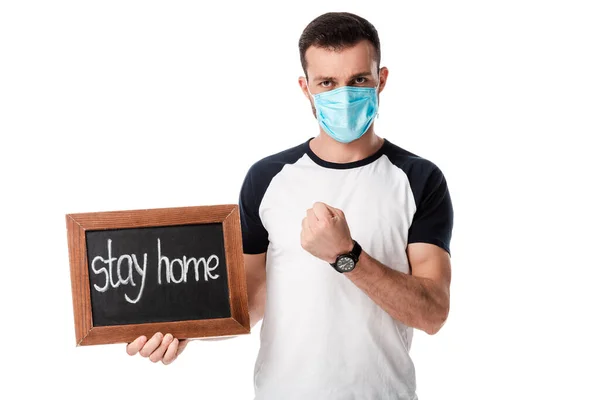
x=330, y=78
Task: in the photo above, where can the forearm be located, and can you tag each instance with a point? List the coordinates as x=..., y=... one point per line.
x=414, y=301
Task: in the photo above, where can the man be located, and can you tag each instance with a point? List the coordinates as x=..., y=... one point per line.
x=347, y=235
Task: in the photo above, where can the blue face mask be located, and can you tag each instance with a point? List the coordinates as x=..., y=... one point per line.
x=346, y=113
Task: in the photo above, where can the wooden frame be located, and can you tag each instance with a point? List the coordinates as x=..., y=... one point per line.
x=227, y=214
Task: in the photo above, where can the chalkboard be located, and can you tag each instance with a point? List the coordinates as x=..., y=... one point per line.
x=177, y=270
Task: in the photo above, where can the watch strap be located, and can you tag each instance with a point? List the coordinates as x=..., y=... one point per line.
x=356, y=250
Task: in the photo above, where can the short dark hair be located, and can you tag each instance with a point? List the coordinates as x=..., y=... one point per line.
x=337, y=31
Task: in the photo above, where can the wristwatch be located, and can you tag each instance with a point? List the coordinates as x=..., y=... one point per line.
x=347, y=262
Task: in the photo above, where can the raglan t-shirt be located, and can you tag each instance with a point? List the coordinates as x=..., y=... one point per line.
x=321, y=336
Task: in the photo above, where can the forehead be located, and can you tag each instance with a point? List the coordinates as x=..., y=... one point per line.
x=347, y=62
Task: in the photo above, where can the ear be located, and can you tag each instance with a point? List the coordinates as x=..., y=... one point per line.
x=383, y=75
x=304, y=86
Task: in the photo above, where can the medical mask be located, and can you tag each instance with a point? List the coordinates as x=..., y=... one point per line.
x=346, y=113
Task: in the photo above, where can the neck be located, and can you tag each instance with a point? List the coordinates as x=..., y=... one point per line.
x=329, y=149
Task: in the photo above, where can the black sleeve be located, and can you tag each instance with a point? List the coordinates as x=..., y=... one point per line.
x=434, y=218
x=255, y=238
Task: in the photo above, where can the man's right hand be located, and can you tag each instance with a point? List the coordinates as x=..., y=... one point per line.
x=160, y=347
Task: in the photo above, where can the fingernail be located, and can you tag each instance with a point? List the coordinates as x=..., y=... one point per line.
x=169, y=337
x=143, y=339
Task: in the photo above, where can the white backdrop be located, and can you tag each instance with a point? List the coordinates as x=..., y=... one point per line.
x=119, y=105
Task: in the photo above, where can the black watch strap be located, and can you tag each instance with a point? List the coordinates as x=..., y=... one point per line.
x=356, y=250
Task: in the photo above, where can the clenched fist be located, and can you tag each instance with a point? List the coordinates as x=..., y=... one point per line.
x=325, y=233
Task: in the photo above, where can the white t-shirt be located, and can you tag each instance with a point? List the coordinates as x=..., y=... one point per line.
x=322, y=337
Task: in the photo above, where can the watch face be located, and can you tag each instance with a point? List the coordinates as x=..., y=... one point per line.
x=345, y=264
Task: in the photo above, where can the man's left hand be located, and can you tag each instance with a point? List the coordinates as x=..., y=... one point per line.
x=325, y=232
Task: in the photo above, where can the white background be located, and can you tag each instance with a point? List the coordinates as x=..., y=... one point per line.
x=118, y=105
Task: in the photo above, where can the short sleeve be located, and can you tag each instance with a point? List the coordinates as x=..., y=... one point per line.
x=434, y=217
x=255, y=238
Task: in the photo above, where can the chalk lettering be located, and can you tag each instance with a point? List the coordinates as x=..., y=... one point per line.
x=177, y=260
x=142, y=272
x=208, y=270
x=101, y=270
x=110, y=261
x=162, y=258
x=130, y=274
x=128, y=270
x=184, y=265
x=124, y=262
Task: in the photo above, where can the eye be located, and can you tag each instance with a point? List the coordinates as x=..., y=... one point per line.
x=361, y=80
x=325, y=83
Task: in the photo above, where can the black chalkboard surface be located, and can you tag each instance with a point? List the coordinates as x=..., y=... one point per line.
x=171, y=270
x=141, y=275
